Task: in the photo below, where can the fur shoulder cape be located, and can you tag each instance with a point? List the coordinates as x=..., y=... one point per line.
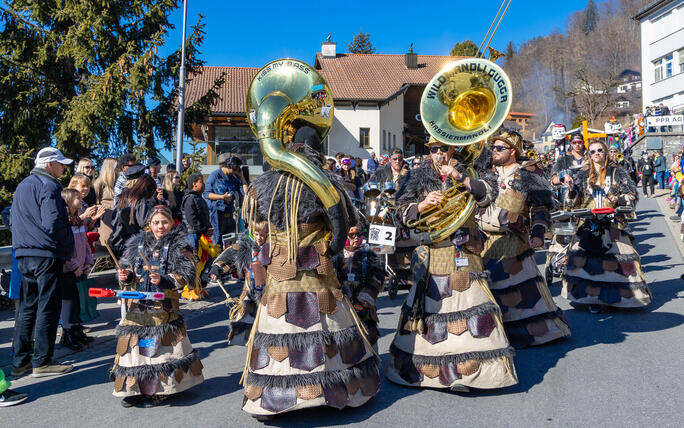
x=310, y=208
x=177, y=261
x=425, y=179
x=537, y=189
x=239, y=255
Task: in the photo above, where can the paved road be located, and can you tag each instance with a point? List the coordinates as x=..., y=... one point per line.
x=618, y=369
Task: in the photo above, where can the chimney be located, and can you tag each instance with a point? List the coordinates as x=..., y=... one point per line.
x=411, y=59
x=328, y=48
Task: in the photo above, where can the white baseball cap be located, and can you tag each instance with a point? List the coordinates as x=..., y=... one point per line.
x=51, y=154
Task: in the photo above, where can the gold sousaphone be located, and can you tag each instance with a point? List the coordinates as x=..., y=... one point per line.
x=464, y=104
x=284, y=96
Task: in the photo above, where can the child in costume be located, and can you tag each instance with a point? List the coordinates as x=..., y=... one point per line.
x=239, y=261
x=362, y=275
x=154, y=357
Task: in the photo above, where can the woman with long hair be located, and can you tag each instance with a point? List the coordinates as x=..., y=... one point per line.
x=603, y=268
x=172, y=193
x=132, y=208
x=104, y=193
x=104, y=184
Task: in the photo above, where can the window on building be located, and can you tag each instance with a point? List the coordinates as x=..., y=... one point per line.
x=663, y=67
x=364, y=137
x=240, y=141
x=384, y=139
x=394, y=140
x=622, y=104
x=680, y=54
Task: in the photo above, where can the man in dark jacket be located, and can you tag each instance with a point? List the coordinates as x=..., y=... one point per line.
x=42, y=241
x=645, y=168
x=395, y=172
x=195, y=210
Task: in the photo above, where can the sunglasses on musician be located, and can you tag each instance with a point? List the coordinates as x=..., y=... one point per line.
x=500, y=148
x=354, y=235
x=435, y=149
x=593, y=152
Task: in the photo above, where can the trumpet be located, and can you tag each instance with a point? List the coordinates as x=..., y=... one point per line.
x=619, y=157
x=532, y=154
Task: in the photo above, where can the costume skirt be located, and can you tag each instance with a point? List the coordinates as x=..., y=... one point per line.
x=154, y=355
x=307, y=348
x=613, y=277
x=458, y=338
x=529, y=313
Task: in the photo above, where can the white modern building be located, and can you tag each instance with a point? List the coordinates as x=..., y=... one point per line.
x=662, y=54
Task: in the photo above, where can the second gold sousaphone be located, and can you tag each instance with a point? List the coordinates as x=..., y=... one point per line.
x=464, y=104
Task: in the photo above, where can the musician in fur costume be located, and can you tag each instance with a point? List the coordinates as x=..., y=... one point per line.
x=603, y=267
x=307, y=347
x=450, y=333
x=362, y=275
x=239, y=261
x=154, y=357
x=515, y=225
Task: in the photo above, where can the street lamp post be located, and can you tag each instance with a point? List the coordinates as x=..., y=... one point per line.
x=181, y=96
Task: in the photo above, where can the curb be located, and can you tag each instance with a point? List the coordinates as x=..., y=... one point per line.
x=673, y=226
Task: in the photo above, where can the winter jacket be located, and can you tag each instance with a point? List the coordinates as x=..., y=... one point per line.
x=372, y=165
x=82, y=256
x=659, y=164
x=195, y=212
x=124, y=228
x=104, y=194
x=39, y=219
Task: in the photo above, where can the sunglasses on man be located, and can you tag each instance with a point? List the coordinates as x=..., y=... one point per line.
x=435, y=149
x=500, y=148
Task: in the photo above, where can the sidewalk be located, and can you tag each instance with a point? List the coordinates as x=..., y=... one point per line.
x=102, y=328
x=673, y=226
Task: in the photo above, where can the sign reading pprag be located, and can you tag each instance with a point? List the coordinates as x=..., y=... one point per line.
x=675, y=120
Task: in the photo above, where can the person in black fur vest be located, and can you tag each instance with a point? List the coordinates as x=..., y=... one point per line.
x=154, y=357
x=449, y=333
x=362, y=275
x=515, y=225
x=603, y=267
x=307, y=346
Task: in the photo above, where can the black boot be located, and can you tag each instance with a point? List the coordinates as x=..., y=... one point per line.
x=70, y=340
x=80, y=334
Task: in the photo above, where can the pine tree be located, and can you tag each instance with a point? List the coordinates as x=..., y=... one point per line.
x=361, y=44
x=591, y=17
x=510, y=50
x=85, y=76
x=464, y=48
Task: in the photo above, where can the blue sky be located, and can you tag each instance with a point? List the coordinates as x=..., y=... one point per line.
x=251, y=34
